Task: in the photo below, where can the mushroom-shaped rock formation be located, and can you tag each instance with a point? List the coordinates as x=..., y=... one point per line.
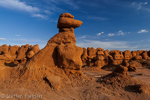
x=66, y=25
x=58, y=57
x=66, y=21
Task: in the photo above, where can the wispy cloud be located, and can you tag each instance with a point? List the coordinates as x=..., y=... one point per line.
x=39, y=16
x=143, y=31
x=100, y=33
x=22, y=6
x=48, y=12
x=2, y=38
x=139, y=5
x=18, y=5
x=111, y=34
x=120, y=45
x=82, y=37
x=71, y=3
x=97, y=18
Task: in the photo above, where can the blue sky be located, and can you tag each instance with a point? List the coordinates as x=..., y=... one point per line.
x=110, y=24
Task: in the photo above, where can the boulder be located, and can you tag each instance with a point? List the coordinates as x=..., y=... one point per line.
x=30, y=54
x=33, y=50
x=69, y=56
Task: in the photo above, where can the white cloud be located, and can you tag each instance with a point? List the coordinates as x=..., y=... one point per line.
x=133, y=3
x=138, y=5
x=47, y=12
x=39, y=16
x=100, y=33
x=121, y=32
x=111, y=34
x=142, y=31
x=82, y=37
x=2, y=38
x=18, y=5
x=120, y=45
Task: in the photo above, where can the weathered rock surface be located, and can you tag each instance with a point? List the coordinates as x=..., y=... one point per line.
x=69, y=56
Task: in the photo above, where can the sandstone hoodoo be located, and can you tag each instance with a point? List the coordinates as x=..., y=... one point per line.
x=66, y=25
x=17, y=55
x=60, y=57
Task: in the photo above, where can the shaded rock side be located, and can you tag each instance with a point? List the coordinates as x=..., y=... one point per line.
x=69, y=56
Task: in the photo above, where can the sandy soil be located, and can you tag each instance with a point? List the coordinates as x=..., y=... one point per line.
x=85, y=89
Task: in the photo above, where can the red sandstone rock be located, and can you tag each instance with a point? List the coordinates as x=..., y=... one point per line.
x=66, y=25
x=64, y=22
x=13, y=50
x=63, y=37
x=30, y=54
x=121, y=70
x=132, y=67
x=69, y=56
x=4, y=49
x=22, y=53
x=138, y=57
x=67, y=15
x=127, y=55
x=134, y=53
x=84, y=55
x=145, y=55
x=33, y=50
